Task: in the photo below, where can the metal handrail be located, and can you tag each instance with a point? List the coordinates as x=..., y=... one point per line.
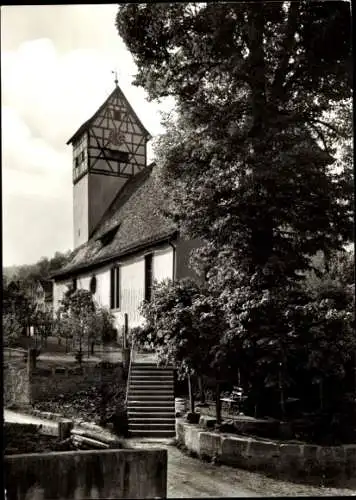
x=129, y=373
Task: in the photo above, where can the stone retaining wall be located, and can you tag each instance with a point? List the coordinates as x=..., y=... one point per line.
x=17, y=384
x=46, y=383
x=334, y=465
x=87, y=474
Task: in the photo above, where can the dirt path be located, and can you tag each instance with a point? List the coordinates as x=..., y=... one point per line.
x=21, y=418
x=190, y=477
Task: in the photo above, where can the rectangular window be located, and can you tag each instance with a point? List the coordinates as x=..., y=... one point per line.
x=117, y=114
x=112, y=288
x=117, y=282
x=115, y=288
x=148, y=277
x=114, y=155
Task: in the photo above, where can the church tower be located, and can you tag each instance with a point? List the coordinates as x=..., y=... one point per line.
x=108, y=149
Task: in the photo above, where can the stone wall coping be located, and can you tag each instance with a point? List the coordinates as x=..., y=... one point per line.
x=289, y=458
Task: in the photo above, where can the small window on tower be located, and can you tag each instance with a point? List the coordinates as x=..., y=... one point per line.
x=117, y=114
x=76, y=161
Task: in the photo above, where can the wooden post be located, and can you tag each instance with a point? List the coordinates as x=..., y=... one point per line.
x=283, y=410
x=125, y=349
x=218, y=403
x=126, y=328
x=31, y=360
x=64, y=428
x=201, y=390
x=191, y=394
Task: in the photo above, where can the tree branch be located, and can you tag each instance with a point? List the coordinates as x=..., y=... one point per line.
x=321, y=136
x=285, y=52
x=256, y=61
x=331, y=127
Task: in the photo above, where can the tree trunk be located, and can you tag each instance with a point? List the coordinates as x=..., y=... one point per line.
x=191, y=394
x=201, y=390
x=218, y=403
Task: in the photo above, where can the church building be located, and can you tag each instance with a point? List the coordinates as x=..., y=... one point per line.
x=122, y=241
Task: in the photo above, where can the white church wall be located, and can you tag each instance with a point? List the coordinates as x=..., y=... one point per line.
x=131, y=282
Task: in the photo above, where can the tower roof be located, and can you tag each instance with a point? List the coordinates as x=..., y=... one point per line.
x=87, y=123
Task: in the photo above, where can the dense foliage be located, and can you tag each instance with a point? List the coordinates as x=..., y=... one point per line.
x=247, y=165
x=257, y=163
x=40, y=270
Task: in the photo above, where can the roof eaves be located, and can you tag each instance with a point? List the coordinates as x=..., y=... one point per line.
x=171, y=235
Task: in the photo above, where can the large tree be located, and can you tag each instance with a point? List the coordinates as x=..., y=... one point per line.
x=262, y=96
x=257, y=159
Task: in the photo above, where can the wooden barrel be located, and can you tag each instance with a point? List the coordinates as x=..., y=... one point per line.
x=181, y=406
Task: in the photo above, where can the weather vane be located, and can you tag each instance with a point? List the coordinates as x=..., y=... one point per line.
x=116, y=80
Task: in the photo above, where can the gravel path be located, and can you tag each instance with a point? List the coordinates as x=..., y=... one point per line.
x=191, y=478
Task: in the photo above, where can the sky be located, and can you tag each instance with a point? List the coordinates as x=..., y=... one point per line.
x=56, y=70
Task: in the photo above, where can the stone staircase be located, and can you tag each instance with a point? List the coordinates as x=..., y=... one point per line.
x=150, y=401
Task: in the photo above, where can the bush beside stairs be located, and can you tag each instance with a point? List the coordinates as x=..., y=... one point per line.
x=150, y=401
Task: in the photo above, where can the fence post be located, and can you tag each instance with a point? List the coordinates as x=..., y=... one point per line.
x=31, y=360
x=125, y=349
x=126, y=328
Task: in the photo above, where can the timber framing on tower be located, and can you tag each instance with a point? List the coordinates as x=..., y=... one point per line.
x=112, y=142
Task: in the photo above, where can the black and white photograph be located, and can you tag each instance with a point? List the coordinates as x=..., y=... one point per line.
x=178, y=250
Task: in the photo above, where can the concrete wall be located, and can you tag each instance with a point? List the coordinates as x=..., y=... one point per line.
x=59, y=289
x=87, y=474
x=17, y=383
x=80, y=211
x=47, y=383
x=17, y=387
x=102, y=190
x=336, y=464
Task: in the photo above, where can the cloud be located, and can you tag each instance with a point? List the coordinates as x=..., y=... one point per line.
x=57, y=64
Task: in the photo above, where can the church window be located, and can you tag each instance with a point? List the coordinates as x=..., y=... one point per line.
x=113, y=154
x=115, y=287
x=93, y=284
x=148, y=277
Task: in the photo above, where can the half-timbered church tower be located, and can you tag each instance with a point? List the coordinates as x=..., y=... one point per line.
x=108, y=149
x=122, y=240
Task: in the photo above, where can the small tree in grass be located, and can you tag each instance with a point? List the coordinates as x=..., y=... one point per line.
x=81, y=320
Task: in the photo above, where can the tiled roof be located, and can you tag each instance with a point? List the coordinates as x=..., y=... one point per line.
x=88, y=122
x=135, y=214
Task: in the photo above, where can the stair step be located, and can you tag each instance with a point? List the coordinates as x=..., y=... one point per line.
x=138, y=395
x=150, y=397
x=152, y=426
x=146, y=389
x=143, y=366
x=146, y=413
x=150, y=381
x=151, y=387
x=152, y=433
x=153, y=420
x=150, y=404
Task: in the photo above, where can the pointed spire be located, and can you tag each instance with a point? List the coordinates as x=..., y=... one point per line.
x=116, y=79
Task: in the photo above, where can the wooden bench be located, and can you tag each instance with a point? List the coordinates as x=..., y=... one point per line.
x=235, y=398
